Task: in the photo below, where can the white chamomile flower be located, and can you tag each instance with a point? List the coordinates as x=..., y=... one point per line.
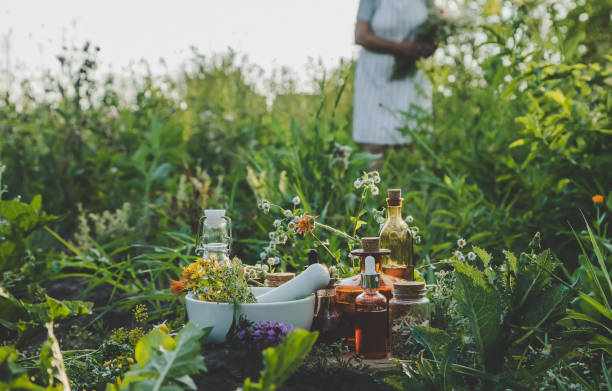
x=265, y=206
x=583, y=17
x=417, y=239
x=277, y=223
x=273, y=261
x=287, y=213
x=375, y=177
x=358, y=183
x=409, y=219
x=374, y=190
x=263, y=255
x=296, y=201
x=471, y=256
x=459, y=255
x=461, y=243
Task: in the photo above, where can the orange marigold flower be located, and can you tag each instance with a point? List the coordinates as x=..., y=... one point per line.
x=304, y=224
x=598, y=199
x=177, y=286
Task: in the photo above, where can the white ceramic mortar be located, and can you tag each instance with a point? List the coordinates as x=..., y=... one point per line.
x=298, y=313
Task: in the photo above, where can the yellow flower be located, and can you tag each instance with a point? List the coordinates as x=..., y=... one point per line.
x=598, y=199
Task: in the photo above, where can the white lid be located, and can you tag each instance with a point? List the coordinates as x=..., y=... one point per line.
x=370, y=266
x=212, y=213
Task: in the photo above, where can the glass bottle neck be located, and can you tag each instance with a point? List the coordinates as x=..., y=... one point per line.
x=370, y=291
x=394, y=212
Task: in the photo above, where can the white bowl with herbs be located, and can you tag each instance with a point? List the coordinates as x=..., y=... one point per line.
x=216, y=293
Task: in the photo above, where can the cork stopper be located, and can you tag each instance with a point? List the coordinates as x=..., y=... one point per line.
x=370, y=245
x=409, y=289
x=394, y=197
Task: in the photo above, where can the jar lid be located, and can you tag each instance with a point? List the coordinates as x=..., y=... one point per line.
x=409, y=288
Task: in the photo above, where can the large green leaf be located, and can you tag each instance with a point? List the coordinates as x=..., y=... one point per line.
x=479, y=303
x=281, y=361
x=165, y=363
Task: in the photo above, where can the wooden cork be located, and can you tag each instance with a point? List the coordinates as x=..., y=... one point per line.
x=394, y=197
x=370, y=245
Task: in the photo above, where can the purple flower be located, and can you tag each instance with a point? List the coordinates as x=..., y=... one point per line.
x=261, y=335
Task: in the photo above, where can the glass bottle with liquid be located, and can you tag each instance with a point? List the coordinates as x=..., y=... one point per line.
x=371, y=322
x=395, y=235
x=349, y=288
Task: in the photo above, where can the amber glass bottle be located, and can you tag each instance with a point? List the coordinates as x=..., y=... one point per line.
x=371, y=321
x=395, y=236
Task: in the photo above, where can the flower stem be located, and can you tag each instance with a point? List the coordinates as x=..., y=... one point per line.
x=325, y=247
x=336, y=231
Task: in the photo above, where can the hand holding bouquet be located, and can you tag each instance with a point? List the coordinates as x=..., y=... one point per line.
x=434, y=31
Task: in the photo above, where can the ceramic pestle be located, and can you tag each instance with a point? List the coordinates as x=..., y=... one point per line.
x=315, y=277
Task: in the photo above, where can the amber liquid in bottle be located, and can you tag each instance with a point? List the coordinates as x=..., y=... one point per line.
x=395, y=235
x=371, y=325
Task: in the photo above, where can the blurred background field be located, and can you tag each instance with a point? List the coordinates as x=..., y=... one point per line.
x=519, y=142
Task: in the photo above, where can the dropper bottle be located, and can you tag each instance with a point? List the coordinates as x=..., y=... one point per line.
x=371, y=324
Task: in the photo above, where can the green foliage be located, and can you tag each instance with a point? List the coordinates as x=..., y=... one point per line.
x=282, y=361
x=18, y=220
x=164, y=362
x=508, y=309
x=591, y=308
x=479, y=303
x=12, y=376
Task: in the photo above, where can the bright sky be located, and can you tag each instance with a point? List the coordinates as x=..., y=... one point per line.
x=272, y=33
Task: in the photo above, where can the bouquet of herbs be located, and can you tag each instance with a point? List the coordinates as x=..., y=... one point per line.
x=209, y=280
x=435, y=30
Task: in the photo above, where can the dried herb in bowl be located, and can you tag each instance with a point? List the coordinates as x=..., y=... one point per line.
x=208, y=280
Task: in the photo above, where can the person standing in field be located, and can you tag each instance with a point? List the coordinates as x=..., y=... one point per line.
x=385, y=30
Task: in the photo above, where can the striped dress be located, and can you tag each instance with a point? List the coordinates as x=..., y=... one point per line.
x=379, y=101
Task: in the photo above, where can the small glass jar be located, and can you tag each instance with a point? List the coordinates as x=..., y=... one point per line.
x=215, y=229
x=327, y=317
x=408, y=307
x=216, y=252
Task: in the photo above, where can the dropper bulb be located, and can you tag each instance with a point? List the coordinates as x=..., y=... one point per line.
x=370, y=266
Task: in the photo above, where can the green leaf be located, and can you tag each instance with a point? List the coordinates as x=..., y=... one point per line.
x=517, y=143
x=436, y=341
x=484, y=256
x=57, y=309
x=511, y=261
x=479, y=303
x=165, y=363
x=599, y=307
x=281, y=361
